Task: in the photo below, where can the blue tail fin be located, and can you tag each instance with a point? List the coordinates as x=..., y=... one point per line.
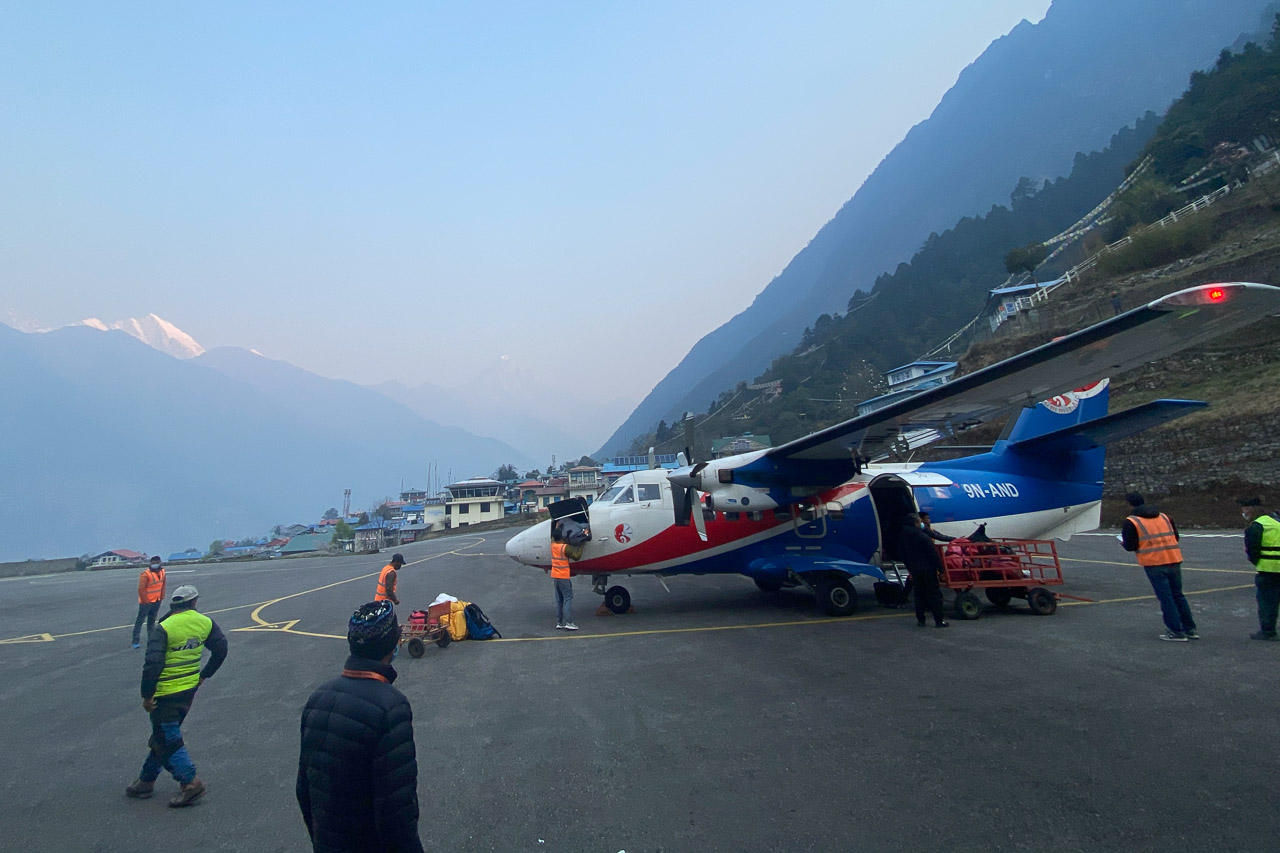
x=1060, y=412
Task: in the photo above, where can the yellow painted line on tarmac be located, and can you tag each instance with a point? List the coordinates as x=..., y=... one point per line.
x=257, y=605
x=649, y=632
x=1136, y=566
x=1152, y=597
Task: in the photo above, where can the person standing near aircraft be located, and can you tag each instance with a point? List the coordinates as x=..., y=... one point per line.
x=170, y=677
x=1153, y=537
x=151, y=585
x=916, y=549
x=927, y=526
x=1262, y=547
x=387, y=579
x=357, y=781
x=561, y=553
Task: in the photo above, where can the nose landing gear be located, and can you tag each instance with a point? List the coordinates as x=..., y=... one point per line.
x=616, y=598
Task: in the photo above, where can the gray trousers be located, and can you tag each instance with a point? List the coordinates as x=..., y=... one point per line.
x=564, y=600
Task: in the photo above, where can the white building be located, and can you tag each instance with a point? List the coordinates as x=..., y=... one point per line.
x=473, y=501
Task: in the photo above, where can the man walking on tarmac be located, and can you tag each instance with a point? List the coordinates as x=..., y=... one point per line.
x=387, y=580
x=358, y=769
x=916, y=549
x=151, y=585
x=1262, y=547
x=1153, y=537
x=561, y=553
x=170, y=678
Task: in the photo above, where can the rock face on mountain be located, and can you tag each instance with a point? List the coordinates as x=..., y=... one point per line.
x=167, y=454
x=1024, y=108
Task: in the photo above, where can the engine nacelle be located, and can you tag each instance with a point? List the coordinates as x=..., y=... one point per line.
x=735, y=498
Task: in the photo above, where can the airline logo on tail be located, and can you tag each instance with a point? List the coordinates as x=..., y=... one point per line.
x=1065, y=404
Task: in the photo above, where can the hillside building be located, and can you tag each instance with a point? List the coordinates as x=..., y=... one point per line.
x=907, y=380
x=733, y=445
x=474, y=501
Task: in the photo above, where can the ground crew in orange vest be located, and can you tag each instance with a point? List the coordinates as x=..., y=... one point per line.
x=1153, y=537
x=150, y=594
x=387, y=580
x=561, y=553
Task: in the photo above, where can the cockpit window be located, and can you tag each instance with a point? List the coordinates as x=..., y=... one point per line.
x=626, y=497
x=609, y=495
x=649, y=491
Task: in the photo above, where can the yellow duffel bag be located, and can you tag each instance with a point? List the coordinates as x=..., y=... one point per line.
x=457, y=620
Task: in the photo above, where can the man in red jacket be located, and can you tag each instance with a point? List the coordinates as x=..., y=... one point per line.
x=151, y=585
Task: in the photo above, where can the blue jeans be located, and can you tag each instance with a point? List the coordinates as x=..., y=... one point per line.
x=167, y=748
x=564, y=600
x=1167, y=583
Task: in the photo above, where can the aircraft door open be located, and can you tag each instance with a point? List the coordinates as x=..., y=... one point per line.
x=574, y=512
x=893, y=500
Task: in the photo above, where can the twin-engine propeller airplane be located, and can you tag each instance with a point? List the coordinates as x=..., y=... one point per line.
x=823, y=509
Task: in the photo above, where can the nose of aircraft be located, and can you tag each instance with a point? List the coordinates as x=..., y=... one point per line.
x=526, y=545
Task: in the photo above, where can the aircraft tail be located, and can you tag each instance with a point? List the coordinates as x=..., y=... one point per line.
x=1060, y=413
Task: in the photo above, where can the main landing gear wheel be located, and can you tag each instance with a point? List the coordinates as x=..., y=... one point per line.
x=768, y=584
x=617, y=599
x=445, y=639
x=968, y=606
x=999, y=596
x=837, y=597
x=1041, y=601
x=416, y=647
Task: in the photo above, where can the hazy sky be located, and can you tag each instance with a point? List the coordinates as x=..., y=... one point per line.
x=371, y=190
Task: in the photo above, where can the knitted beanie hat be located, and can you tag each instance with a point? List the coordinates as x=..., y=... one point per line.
x=373, y=630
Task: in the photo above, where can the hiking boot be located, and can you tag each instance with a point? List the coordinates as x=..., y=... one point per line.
x=1193, y=634
x=1263, y=635
x=1173, y=638
x=188, y=794
x=140, y=790
x=559, y=626
x=569, y=626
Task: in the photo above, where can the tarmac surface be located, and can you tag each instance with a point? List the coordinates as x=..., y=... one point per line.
x=714, y=718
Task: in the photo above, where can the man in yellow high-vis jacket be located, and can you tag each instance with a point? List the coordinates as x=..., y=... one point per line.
x=170, y=677
x=1262, y=547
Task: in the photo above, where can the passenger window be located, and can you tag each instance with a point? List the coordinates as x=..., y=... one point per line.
x=649, y=491
x=626, y=497
x=732, y=516
x=755, y=515
x=708, y=515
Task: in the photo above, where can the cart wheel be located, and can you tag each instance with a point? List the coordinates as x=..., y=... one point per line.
x=968, y=606
x=1041, y=601
x=416, y=647
x=617, y=599
x=1000, y=596
x=837, y=597
x=444, y=639
x=768, y=584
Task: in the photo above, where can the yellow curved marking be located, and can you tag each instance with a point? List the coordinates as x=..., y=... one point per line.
x=1136, y=566
x=287, y=627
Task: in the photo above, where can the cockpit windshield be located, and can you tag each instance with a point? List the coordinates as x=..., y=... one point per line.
x=608, y=496
x=626, y=497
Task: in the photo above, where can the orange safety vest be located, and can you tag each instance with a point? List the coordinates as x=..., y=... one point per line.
x=1157, y=545
x=384, y=589
x=150, y=586
x=559, y=560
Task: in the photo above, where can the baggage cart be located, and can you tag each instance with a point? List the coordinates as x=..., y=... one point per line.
x=425, y=626
x=1003, y=569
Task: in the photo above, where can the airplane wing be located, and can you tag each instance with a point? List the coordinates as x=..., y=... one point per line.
x=1159, y=328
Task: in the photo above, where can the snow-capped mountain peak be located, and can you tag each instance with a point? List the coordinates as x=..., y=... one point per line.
x=156, y=332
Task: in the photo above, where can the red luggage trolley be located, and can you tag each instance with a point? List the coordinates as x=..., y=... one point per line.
x=1003, y=569
x=425, y=626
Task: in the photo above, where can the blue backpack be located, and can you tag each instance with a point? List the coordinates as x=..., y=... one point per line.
x=478, y=625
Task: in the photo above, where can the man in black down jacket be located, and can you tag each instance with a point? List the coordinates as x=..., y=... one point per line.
x=917, y=550
x=358, y=771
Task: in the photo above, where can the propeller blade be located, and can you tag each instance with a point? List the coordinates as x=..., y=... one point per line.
x=698, y=521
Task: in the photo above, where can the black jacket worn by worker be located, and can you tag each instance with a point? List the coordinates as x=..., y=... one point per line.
x=158, y=643
x=1129, y=533
x=358, y=770
x=916, y=549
